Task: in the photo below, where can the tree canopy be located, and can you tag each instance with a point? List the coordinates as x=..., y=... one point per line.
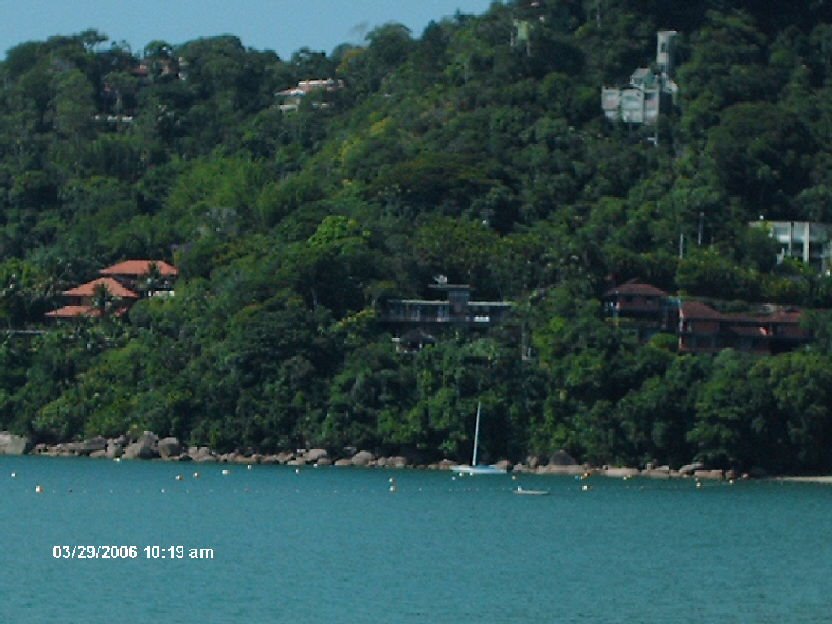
x=457, y=151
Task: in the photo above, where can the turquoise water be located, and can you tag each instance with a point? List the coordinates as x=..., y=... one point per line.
x=334, y=545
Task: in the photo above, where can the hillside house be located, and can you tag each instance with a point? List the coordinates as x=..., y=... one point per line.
x=101, y=296
x=648, y=309
x=152, y=278
x=700, y=327
x=294, y=96
x=649, y=91
x=120, y=286
x=703, y=329
x=416, y=322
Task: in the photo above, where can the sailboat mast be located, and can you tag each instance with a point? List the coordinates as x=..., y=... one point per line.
x=476, y=435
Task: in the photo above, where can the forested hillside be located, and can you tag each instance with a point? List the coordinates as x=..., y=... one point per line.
x=449, y=152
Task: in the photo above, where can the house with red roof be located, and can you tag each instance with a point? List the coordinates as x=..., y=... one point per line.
x=149, y=277
x=120, y=286
x=96, y=298
x=645, y=308
x=770, y=330
x=701, y=327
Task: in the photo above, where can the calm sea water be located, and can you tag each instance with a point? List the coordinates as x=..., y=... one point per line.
x=334, y=545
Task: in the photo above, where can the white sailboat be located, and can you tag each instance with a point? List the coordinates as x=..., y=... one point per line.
x=473, y=468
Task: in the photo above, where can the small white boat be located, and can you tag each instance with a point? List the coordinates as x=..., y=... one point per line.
x=473, y=468
x=465, y=469
x=524, y=492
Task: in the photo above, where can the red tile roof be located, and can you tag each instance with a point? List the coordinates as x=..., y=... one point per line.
x=85, y=311
x=88, y=289
x=74, y=312
x=698, y=310
x=137, y=268
x=636, y=288
x=786, y=316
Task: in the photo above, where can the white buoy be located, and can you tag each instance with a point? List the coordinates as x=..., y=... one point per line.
x=14, y=474
x=38, y=489
x=586, y=488
x=116, y=459
x=196, y=475
x=297, y=470
x=163, y=490
x=226, y=471
x=249, y=466
x=179, y=477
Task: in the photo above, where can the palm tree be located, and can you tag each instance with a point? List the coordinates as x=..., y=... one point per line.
x=102, y=299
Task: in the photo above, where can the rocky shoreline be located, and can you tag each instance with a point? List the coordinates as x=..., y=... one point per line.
x=148, y=446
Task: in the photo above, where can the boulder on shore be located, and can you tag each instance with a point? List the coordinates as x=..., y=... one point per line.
x=362, y=458
x=533, y=461
x=561, y=469
x=169, y=447
x=621, y=473
x=114, y=449
x=445, y=464
x=201, y=454
x=284, y=457
x=146, y=447
x=717, y=475
x=313, y=455
x=11, y=444
x=84, y=448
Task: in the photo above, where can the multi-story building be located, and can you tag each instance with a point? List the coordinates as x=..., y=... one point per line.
x=642, y=307
x=807, y=241
x=650, y=90
x=415, y=322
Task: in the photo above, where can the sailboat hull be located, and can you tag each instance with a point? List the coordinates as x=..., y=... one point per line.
x=473, y=468
x=478, y=470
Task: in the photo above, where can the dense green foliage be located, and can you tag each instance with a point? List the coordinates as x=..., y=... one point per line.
x=454, y=153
